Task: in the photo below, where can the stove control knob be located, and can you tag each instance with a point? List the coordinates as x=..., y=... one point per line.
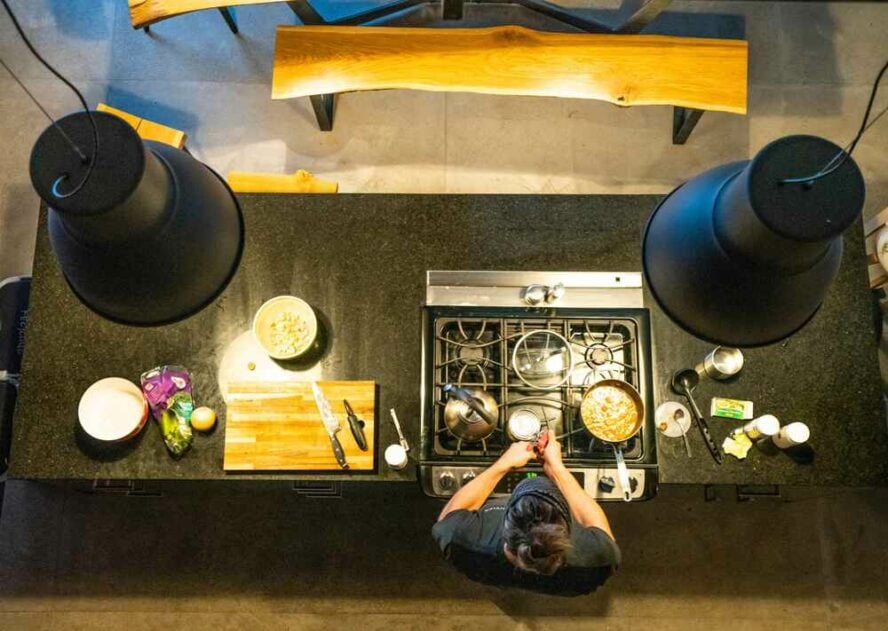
x=468, y=476
x=555, y=293
x=607, y=484
x=534, y=294
x=446, y=480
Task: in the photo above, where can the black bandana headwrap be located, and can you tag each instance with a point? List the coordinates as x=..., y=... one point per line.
x=543, y=489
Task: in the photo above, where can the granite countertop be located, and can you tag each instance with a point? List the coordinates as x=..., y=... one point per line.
x=360, y=260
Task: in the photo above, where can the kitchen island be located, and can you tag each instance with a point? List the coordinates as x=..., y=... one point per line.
x=361, y=262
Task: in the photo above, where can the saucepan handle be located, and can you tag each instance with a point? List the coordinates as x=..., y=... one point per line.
x=623, y=474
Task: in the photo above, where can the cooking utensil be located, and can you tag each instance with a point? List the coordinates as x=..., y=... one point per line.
x=674, y=420
x=721, y=363
x=401, y=438
x=542, y=359
x=356, y=425
x=471, y=413
x=273, y=425
x=330, y=422
x=617, y=440
x=112, y=409
x=524, y=424
x=684, y=432
x=683, y=382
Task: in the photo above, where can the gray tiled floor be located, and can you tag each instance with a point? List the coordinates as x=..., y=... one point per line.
x=232, y=561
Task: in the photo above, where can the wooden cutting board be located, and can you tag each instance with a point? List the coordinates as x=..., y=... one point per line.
x=276, y=426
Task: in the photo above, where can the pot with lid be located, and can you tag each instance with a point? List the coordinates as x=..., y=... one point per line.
x=470, y=413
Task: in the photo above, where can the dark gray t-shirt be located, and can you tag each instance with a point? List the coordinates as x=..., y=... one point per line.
x=472, y=541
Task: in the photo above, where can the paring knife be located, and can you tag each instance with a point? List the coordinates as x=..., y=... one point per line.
x=357, y=426
x=330, y=423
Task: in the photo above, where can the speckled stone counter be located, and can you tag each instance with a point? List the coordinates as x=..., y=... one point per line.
x=360, y=260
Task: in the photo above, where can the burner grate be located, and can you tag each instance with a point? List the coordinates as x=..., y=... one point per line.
x=480, y=352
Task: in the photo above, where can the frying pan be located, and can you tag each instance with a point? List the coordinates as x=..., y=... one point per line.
x=617, y=442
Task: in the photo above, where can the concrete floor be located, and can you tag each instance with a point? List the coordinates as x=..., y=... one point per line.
x=229, y=559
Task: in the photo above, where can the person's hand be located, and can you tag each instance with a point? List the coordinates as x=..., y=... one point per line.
x=552, y=456
x=517, y=455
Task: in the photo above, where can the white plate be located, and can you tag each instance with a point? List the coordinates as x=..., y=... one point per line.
x=666, y=414
x=112, y=409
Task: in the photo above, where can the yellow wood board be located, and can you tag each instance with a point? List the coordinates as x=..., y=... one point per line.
x=299, y=182
x=148, y=130
x=700, y=73
x=276, y=426
x=146, y=12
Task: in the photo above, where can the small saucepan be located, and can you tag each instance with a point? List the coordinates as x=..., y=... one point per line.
x=613, y=412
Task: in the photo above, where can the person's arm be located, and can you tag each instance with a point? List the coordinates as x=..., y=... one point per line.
x=473, y=495
x=583, y=507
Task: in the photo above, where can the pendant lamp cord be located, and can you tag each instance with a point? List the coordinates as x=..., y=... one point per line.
x=95, y=132
x=839, y=159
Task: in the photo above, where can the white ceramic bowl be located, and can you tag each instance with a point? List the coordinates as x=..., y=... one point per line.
x=271, y=310
x=112, y=409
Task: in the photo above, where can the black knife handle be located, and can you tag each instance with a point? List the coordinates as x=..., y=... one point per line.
x=337, y=451
x=704, y=429
x=357, y=432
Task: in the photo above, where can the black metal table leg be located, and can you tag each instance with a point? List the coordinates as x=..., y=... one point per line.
x=453, y=9
x=306, y=13
x=147, y=29
x=684, y=119
x=557, y=12
x=643, y=16
x=228, y=14
x=324, y=105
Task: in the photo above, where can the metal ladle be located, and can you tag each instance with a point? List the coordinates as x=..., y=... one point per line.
x=683, y=382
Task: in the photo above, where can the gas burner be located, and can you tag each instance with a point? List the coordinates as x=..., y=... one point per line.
x=472, y=353
x=598, y=354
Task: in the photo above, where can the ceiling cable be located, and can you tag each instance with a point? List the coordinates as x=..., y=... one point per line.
x=95, y=132
x=839, y=159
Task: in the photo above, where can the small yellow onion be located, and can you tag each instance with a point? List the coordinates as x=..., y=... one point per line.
x=203, y=419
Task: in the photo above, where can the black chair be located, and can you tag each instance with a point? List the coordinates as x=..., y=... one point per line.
x=14, y=295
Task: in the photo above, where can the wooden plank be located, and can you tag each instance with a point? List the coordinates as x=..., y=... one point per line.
x=148, y=130
x=276, y=426
x=146, y=12
x=700, y=73
x=133, y=120
x=877, y=275
x=876, y=222
x=298, y=182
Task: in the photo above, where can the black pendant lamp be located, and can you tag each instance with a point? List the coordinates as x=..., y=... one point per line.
x=744, y=254
x=147, y=234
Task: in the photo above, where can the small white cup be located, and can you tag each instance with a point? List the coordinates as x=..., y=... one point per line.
x=396, y=456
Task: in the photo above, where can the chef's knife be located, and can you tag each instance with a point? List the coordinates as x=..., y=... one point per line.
x=330, y=423
x=357, y=426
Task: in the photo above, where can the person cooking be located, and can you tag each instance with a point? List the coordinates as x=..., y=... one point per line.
x=549, y=536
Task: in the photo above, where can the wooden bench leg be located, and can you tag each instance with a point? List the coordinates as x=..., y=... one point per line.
x=147, y=29
x=684, y=119
x=453, y=9
x=228, y=14
x=305, y=12
x=324, y=105
x=643, y=16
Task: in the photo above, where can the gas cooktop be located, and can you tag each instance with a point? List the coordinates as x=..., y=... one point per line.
x=530, y=363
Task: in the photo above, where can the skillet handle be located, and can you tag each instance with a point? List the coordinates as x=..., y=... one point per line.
x=623, y=474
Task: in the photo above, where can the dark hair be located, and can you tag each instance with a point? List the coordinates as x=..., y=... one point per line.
x=536, y=534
